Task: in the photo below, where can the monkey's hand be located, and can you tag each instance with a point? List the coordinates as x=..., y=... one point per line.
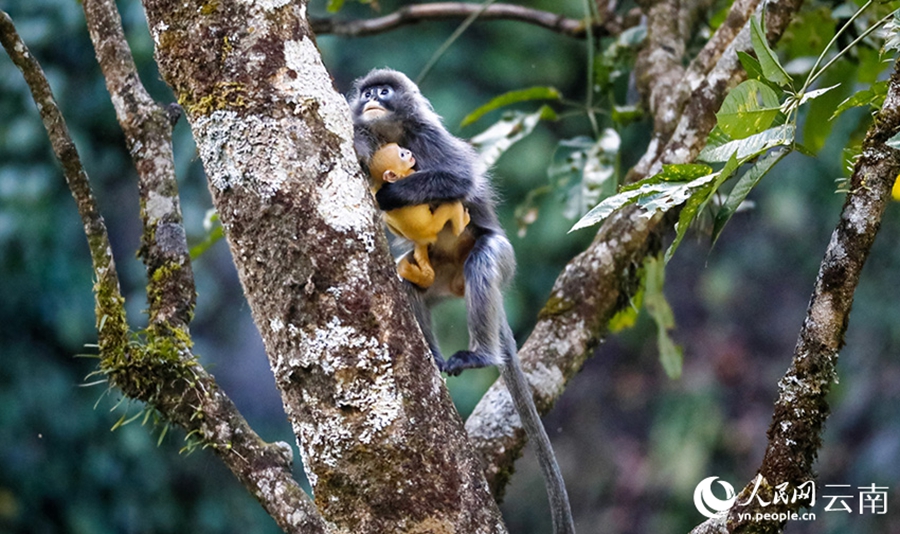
x=423, y=187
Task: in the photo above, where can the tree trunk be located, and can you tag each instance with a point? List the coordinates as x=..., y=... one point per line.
x=381, y=441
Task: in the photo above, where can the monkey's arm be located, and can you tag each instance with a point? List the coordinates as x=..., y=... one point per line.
x=424, y=187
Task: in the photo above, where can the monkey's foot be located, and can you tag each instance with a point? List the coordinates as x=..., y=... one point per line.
x=466, y=359
x=418, y=275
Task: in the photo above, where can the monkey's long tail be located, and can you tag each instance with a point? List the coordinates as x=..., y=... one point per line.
x=520, y=392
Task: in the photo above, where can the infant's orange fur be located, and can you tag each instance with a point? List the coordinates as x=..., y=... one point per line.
x=417, y=223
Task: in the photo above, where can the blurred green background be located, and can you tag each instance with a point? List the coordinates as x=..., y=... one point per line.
x=632, y=443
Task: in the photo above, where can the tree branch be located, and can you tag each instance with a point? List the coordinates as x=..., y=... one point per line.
x=696, y=117
x=802, y=407
x=413, y=14
x=148, y=134
x=601, y=280
x=112, y=326
x=161, y=369
x=660, y=62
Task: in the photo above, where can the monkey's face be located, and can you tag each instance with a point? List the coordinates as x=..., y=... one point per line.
x=376, y=102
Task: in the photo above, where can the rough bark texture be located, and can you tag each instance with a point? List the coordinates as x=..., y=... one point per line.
x=380, y=439
x=802, y=407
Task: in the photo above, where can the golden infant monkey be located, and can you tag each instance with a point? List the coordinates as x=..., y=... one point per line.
x=419, y=223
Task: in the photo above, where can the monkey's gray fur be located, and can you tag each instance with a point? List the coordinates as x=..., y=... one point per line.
x=389, y=108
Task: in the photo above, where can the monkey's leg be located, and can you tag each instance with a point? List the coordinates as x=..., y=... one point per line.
x=423, y=317
x=489, y=264
x=421, y=274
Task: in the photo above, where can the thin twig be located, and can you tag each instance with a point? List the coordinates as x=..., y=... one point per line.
x=432, y=61
x=459, y=10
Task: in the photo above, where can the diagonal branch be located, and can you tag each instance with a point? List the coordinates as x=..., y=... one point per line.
x=601, y=280
x=413, y=14
x=162, y=370
x=802, y=408
x=668, y=94
x=660, y=62
x=112, y=326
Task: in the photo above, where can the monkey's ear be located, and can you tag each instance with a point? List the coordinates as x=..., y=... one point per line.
x=390, y=176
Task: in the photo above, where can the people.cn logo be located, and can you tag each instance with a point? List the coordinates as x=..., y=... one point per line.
x=708, y=504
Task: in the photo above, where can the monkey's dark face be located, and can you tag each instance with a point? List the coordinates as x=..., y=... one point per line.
x=388, y=108
x=376, y=102
x=378, y=109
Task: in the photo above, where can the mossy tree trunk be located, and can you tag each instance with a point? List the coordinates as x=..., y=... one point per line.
x=382, y=444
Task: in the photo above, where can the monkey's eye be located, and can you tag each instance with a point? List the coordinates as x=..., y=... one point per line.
x=385, y=91
x=367, y=94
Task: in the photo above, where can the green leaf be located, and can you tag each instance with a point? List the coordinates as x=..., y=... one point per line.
x=690, y=210
x=512, y=128
x=892, y=29
x=628, y=315
x=670, y=354
x=625, y=115
x=768, y=61
x=606, y=208
x=873, y=96
x=671, y=195
x=717, y=138
x=697, y=203
x=743, y=187
x=633, y=37
x=810, y=95
x=894, y=141
x=682, y=172
x=749, y=108
x=617, y=59
x=751, y=65
x=654, y=194
x=795, y=101
x=512, y=97
x=751, y=146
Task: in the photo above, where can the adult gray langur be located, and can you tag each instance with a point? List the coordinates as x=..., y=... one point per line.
x=387, y=108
